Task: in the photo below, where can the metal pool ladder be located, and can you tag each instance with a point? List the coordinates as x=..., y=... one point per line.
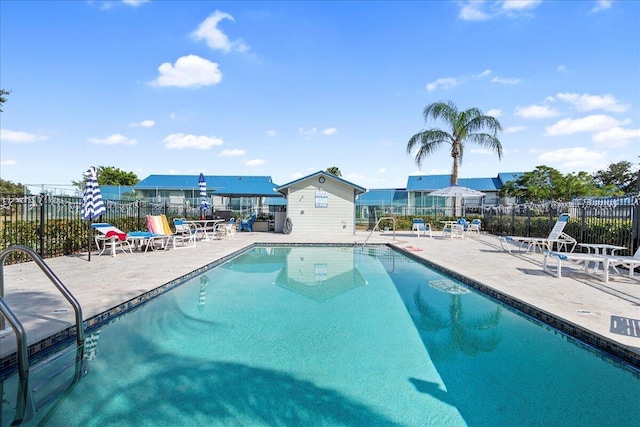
x=26, y=405
x=376, y=226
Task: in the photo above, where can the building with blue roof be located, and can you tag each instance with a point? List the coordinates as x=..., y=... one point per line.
x=260, y=194
x=417, y=196
x=236, y=192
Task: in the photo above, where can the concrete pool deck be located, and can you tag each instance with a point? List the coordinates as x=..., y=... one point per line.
x=105, y=282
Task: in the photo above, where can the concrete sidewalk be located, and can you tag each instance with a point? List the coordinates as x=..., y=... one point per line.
x=577, y=299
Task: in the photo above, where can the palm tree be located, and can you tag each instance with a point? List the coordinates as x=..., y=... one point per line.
x=465, y=126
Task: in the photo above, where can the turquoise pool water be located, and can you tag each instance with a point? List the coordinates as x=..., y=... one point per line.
x=331, y=336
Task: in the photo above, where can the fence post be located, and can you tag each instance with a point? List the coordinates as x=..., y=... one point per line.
x=42, y=216
x=635, y=224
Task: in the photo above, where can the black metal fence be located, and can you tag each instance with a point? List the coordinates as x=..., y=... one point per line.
x=51, y=225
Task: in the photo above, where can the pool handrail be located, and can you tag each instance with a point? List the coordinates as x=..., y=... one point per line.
x=23, y=358
x=376, y=226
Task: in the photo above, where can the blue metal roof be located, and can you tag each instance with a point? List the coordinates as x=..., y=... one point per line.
x=436, y=182
x=216, y=184
x=505, y=177
x=326, y=175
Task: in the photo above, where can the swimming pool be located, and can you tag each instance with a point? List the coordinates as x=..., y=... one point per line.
x=338, y=336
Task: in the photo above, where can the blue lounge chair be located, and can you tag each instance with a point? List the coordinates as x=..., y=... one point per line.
x=247, y=224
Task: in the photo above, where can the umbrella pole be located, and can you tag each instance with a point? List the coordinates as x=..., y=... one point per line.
x=89, y=235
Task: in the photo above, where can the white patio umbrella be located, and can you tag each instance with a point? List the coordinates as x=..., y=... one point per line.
x=92, y=203
x=457, y=191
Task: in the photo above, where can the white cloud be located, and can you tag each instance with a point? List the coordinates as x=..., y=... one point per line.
x=134, y=3
x=8, y=162
x=188, y=71
x=494, y=112
x=451, y=82
x=330, y=131
x=573, y=158
x=271, y=132
x=19, y=136
x=562, y=69
x=617, y=137
x=232, y=152
x=536, y=112
x=601, y=5
x=480, y=10
x=200, y=142
x=382, y=170
x=311, y=131
x=444, y=83
x=586, y=102
x=505, y=81
x=472, y=11
x=597, y=122
x=115, y=139
x=518, y=5
x=208, y=31
x=254, y=162
x=514, y=129
x=143, y=124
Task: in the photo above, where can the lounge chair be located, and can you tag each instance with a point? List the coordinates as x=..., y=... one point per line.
x=247, y=224
x=113, y=238
x=562, y=241
x=464, y=223
x=420, y=227
x=162, y=233
x=629, y=262
x=577, y=259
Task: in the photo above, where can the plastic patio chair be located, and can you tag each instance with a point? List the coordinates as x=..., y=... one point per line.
x=420, y=227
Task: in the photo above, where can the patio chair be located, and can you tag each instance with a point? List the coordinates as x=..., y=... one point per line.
x=456, y=231
x=227, y=229
x=562, y=241
x=474, y=226
x=111, y=237
x=184, y=229
x=247, y=224
x=420, y=227
x=162, y=233
x=464, y=223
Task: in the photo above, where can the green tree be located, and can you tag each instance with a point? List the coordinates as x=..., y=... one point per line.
x=9, y=187
x=334, y=170
x=621, y=176
x=108, y=175
x=2, y=98
x=545, y=183
x=463, y=126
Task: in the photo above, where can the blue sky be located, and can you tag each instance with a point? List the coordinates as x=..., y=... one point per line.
x=289, y=88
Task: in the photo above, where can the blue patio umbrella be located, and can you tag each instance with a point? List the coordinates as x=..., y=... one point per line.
x=92, y=203
x=204, y=205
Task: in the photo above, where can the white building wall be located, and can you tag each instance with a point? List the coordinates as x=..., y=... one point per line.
x=337, y=218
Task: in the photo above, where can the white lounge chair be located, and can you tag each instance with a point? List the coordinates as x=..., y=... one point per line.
x=111, y=237
x=577, y=259
x=419, y=226
x=162, y=233
x=562, y=241
x=629, y=262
